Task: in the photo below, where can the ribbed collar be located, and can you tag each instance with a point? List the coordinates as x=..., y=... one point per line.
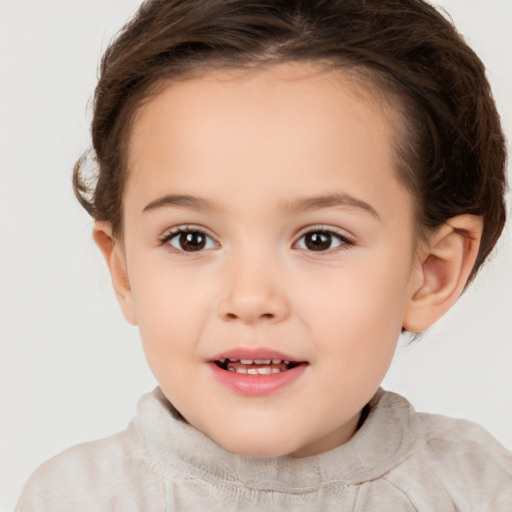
x=383, y=442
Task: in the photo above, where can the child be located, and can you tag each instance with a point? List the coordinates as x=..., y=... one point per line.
x=282, y=188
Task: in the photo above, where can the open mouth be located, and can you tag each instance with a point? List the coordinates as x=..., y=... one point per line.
x=256, y=366
x=258, y=371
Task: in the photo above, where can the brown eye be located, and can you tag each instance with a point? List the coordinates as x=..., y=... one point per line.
x=191, y=241
x=321, y=241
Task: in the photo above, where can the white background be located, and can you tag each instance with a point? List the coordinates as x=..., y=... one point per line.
x=71, y=369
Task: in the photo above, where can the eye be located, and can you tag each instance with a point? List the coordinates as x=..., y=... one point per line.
x=189, y=240
x=321, y=240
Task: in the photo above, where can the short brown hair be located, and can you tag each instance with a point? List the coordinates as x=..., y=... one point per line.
x=453, y=158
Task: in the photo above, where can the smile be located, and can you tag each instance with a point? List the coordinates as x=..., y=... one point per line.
x=256, y=372
x=255, y=366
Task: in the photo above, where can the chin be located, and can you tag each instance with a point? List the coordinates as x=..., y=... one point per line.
x=257, y=448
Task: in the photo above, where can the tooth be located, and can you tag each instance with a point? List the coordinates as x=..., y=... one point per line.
x=222, y=360
x=241, y=370
x=262, y=361
x=233, y=360
x=246, y=361
x=286, y=362
x=276, y=361
x=252, y=371
x=231, y=370
x=264, y=371
x=276, y=370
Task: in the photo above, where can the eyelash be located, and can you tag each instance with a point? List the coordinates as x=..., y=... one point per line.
x=166, y=239
x=343, y=240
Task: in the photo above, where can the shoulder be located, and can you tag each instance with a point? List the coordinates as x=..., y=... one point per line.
x=106, y=471
x=455, y=461
x=439, y=431
x=464, y=447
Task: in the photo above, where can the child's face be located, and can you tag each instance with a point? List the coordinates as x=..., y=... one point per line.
x=299, y=247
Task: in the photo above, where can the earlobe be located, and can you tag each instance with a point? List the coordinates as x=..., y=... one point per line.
x=112, y=252
x=443, y=268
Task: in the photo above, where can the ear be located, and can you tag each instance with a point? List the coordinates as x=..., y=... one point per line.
x=443, y=268
x=116, y=262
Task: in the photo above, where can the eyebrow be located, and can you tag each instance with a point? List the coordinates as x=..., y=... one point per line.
x=179, y=201
x=330, y=201
x=295, y=206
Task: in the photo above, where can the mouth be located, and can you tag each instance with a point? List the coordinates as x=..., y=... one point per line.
x=256, y=372
x=256, y=366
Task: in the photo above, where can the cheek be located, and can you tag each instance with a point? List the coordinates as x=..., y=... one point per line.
x=358, y=311
x=172, y=307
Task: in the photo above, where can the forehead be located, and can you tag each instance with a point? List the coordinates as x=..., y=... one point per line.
x=260, y=92
x=295, y=124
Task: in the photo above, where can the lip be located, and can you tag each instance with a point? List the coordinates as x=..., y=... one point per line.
x=256, y=385
x=253, y=353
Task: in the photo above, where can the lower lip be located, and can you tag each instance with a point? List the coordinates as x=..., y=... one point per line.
x=257, y=385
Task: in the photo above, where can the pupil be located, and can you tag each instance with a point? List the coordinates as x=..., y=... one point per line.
x=318, y=241
x=192, y=241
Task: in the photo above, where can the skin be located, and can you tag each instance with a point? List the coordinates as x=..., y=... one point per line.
x=253, y=145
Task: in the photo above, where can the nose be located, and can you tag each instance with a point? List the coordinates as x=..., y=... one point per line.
x=252, y=293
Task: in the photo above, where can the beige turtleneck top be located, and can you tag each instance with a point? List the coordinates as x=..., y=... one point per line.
x=399, y=460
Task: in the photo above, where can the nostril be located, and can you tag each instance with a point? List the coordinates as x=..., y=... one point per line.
x=249, y=308
x=233, y=316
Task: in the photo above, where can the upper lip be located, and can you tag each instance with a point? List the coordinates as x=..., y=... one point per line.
x=254, y=353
